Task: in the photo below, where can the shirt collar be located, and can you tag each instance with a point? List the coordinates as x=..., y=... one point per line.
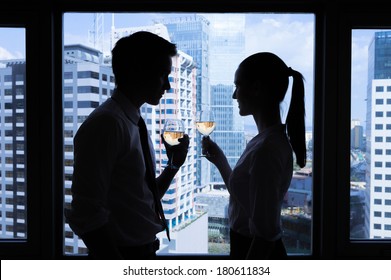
x=131, y=111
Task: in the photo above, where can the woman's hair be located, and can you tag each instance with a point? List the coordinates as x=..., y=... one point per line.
x=139, y=54
x=273, y=75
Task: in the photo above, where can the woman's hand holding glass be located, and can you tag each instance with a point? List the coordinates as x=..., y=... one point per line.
x=211, y=150
x=205, y=124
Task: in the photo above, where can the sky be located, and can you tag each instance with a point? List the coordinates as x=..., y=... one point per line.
x=264, y=32
x=15, y=48
x=291, y=36
x=360, y=41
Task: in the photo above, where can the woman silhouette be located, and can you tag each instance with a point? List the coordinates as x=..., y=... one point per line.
x=261, y=177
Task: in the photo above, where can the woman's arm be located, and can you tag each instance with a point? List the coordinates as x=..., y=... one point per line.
x=215, y=155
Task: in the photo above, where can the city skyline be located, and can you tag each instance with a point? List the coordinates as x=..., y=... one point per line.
x=77, y=25
x=295, y=30
x=377, y=191
x=92, y=85
x=361, y=38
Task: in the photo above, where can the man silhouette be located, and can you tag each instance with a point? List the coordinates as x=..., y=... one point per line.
x=115, y=205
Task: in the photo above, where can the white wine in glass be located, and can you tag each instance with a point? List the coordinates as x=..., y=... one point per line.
x=172, y=137
x=205, y=123
x=173, y=130
x=205, y=128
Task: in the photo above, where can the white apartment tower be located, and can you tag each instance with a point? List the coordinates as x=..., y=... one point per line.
x=13, y=213
x=87, y=84
x=178, y=102
x=378, y=190
x=378, y=214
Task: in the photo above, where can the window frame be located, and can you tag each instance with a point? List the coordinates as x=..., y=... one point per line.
x=38, y=242
x=251, y=7
x=331, y=117
x=46, y=238
x=375, y=18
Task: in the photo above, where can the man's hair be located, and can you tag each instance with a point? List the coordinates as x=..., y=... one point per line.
x=138, y=54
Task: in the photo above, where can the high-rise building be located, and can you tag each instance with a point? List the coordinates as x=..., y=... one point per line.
x=355, y=122
x=357, y=137
x=378, y=138
x=88, y=82
x=191, y=35
x=13, y=213
x=178, y=102
x=227, y=48
x=229, y=132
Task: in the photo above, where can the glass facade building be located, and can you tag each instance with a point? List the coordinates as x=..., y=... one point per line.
x=191, y=35
x=227, y=47
x=229, y=133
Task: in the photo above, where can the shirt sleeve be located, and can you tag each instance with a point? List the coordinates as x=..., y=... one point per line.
x=96, y=148
x=265, y=194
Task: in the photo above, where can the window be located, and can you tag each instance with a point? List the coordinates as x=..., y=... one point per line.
x=339, y=86
x=13, y=155
x=217, y=43
x=367, y=162
x=379, y=89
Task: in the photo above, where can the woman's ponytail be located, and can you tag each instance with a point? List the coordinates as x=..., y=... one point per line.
x=295, y=121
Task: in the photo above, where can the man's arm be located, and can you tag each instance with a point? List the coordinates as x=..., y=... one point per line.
x=164, y=180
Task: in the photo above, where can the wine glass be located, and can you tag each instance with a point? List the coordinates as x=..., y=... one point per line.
x=205, y=123
x=173, y=130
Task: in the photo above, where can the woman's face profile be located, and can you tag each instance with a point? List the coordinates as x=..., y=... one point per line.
x=245, y=93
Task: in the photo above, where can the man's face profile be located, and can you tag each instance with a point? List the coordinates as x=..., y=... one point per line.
x=156, y=82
